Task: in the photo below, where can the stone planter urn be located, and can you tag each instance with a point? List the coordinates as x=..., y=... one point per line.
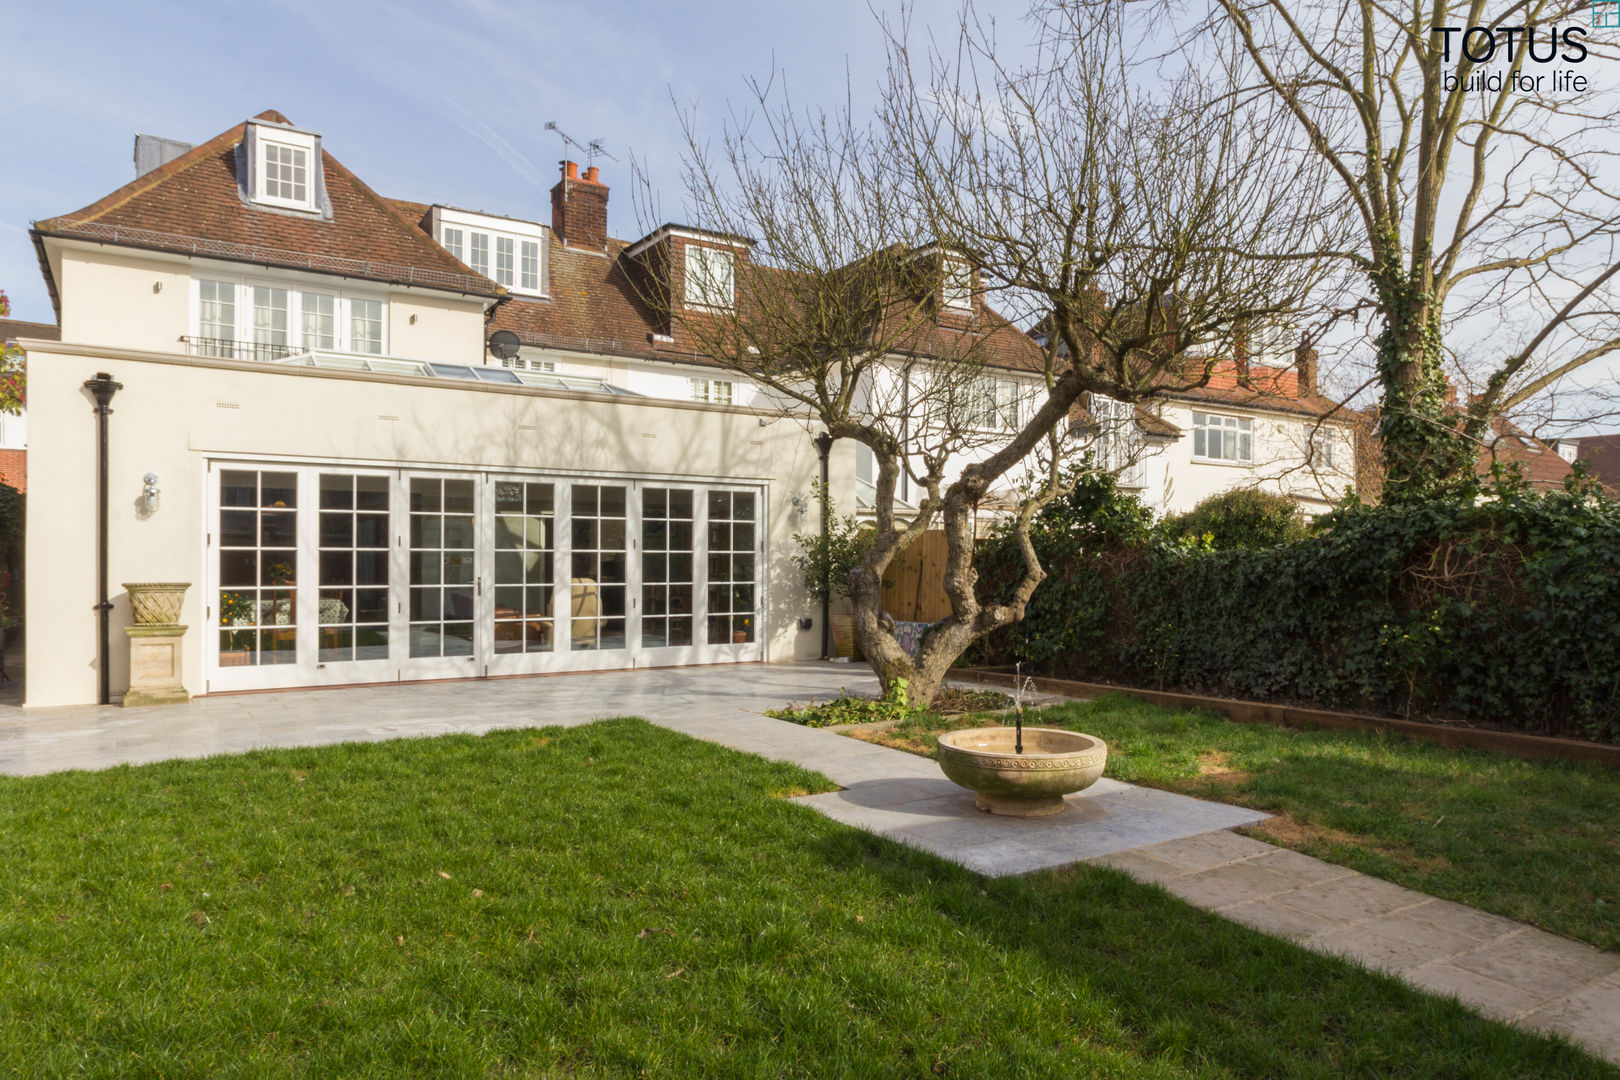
x=1032, y=784
x=154, y=643
x=156, y=603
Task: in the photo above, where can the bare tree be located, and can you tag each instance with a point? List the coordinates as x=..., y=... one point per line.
x=1474, y=145
x=1128, y=226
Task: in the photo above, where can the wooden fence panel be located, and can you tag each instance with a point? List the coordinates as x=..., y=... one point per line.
x=914, y=584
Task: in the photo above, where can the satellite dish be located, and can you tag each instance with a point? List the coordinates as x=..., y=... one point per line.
x=504, y=344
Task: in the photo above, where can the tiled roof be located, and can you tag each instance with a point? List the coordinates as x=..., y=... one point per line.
x=192, y=205
x=12, y=329
x=596, y=306
x=1509, y=444
x=1272, y=389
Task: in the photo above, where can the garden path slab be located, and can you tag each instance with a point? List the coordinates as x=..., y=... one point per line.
x=1502, y=968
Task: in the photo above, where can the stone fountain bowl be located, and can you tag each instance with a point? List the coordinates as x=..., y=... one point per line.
x=1032, y=784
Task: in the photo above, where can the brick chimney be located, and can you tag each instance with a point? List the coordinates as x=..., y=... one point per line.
x=1240, y=357
x=579, y=208
x=1305, y=361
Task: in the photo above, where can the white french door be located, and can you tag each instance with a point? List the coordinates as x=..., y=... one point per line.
x=335, y=575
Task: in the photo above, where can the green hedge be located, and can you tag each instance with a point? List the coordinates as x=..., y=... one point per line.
x=1503, y=609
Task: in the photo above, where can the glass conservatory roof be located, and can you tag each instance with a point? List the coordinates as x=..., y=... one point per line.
x=453, y=372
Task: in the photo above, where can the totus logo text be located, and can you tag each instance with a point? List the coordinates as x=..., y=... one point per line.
x=1484, y=45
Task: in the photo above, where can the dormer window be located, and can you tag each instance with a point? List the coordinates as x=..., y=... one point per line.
x=508, y=251
x=284, y=167
x=711, y=278
x=958, y=290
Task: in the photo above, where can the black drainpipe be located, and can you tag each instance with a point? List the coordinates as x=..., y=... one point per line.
x=824, y=443
x=103, y=388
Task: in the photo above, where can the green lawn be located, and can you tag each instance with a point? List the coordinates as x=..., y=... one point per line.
x=618, y=900
x=1535, y=841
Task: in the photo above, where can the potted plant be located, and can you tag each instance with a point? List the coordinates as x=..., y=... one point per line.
x=236, y=645
x=829, y=559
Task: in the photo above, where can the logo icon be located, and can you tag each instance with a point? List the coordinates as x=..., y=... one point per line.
x=1606, y=14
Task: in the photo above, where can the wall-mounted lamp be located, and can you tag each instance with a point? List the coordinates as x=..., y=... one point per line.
x=157, y=286
x=413, y=320
x=800, y=507
x=150, y=493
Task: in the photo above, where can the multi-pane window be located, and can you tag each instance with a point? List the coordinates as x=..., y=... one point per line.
x=1119, y=442
x=365, y=326
x=524, y=552
x=598, y=574
x=318, y=318
x=478, y=252
x=442, y=586
x=503, y=260
x=1223, y=438
x=529, y=267
x=710, y=278
x=454, y=242
x=269, y=323
x=666, y=567
x=958, y=289
x=731, y=567
x=526, y=364
x=354, y=539
x=258, y=567
x=715, y=390
x=1320, y=442
x=286, y=173
x=216, y=318
x=992, y=404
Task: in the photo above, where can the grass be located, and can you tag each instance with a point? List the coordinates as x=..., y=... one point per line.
x=1535, y=841
x=618, y=900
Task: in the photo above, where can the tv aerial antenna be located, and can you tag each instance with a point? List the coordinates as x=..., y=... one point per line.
x=592, y=150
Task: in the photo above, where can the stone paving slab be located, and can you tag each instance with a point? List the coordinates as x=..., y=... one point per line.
x=1501, y=968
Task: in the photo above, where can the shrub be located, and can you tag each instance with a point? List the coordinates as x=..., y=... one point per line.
x=1499, y=610
x=1244, y=518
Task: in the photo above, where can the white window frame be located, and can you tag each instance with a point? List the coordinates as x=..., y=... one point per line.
x=244, y=344
x=524, y=244
x=713, y=391
x=1320, y=448
x=524, y=364
x=478, y=251
x=702, y=291
x=956, y=290
x=267, y=136
x=1240, y=427
x=993, y=404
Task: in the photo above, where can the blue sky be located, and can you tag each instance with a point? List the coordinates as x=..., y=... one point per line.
x=440, y=102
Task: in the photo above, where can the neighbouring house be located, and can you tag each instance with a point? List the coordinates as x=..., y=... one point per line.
x=1601, y=453
x=390, y=441
x=14, y=429
x=1256, y=421
x=1544, y=464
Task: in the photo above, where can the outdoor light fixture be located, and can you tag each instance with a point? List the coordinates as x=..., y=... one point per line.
x=150, y=493
x=800, y=507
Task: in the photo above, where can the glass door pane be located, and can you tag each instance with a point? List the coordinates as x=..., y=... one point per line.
x=598, y=566
x=525, y=549
x=666, y=567
x=731, y=567
x=354, y=541
x=258, y=560
x=442, y=545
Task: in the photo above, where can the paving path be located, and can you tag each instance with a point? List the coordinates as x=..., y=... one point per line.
x=1502, y=968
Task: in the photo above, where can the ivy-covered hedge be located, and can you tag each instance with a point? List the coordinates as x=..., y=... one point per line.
x=1502, y=608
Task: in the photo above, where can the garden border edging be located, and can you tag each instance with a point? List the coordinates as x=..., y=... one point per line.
x=1263, y=712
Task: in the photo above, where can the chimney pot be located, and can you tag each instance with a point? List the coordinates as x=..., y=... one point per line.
x=590, y=175
x=573, y=169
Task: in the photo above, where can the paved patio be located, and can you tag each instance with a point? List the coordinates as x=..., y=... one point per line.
x=1502, y=968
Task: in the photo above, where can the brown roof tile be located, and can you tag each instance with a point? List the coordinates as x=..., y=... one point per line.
x=13, y=329
x=193, y=205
